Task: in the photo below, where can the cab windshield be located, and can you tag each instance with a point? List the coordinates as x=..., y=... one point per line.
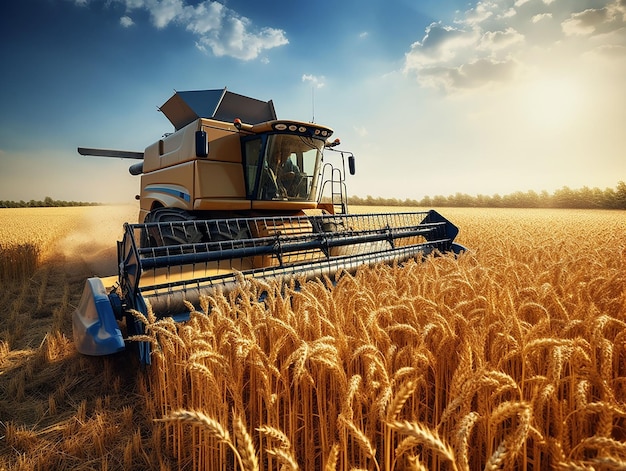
x=289, y=167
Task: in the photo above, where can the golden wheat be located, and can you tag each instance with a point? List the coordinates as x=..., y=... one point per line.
x=483, y=344
x=510, y=356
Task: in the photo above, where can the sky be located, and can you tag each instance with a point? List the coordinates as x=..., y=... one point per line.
x=434, y=97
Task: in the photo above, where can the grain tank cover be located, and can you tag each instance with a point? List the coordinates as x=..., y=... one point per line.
x=223, y=105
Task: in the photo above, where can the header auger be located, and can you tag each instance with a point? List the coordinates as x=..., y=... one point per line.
x=236, y=194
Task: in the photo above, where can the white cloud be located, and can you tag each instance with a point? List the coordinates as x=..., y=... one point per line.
x=441, y=44
x=217, y=28
x=541, y=16
x=233, y=39
x=496, y=40
x=509, y=13
x=585, y=22
x=316, y=81
x=495, y=43
x=165, y=11
x=480, y=13
x=126, y=21
x=204, y=18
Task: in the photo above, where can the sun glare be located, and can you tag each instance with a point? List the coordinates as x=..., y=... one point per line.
x=552, y=103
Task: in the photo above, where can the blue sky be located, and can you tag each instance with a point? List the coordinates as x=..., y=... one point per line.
x=434, y=97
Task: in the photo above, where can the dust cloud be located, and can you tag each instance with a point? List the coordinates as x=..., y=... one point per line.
x=92, y=243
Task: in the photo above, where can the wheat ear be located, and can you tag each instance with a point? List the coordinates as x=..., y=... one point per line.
x=396, y=404
x=333, y=457
x=247, y=451
x=426, y=437
x=285, y=457
x=212, y=426
x=276, y=434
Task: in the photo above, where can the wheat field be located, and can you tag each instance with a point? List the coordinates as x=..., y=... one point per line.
x=511, y=356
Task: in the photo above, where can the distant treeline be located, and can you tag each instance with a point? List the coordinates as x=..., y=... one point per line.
x=46, y=203
x=583, y=198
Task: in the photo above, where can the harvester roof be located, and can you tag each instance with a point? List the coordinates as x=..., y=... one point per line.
x=185, y=107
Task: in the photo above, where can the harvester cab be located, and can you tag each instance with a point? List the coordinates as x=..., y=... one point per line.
x=235, y=194
x=229, y=156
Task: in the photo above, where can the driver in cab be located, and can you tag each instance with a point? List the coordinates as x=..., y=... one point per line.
x=288, y=175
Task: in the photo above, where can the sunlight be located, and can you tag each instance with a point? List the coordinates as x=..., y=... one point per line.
x=552, y=103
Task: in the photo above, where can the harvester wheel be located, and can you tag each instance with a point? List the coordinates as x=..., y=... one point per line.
x=227, y=230
x=170, y=234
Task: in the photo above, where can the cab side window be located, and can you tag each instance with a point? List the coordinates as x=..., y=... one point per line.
x=252, y=153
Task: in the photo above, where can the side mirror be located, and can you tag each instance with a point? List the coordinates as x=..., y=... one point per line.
x=136, y=169
x=351, y=165
x=202, y=144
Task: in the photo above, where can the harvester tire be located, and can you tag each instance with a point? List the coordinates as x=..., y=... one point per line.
x=172, y=234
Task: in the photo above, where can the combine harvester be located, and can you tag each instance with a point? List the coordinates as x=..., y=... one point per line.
x=236, y=194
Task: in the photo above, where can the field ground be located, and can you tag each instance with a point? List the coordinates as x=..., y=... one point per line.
x=61, y=410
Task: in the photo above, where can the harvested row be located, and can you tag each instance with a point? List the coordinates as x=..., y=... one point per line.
x=18, y=261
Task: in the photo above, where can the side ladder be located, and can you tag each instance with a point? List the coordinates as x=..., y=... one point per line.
x=338, y=190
